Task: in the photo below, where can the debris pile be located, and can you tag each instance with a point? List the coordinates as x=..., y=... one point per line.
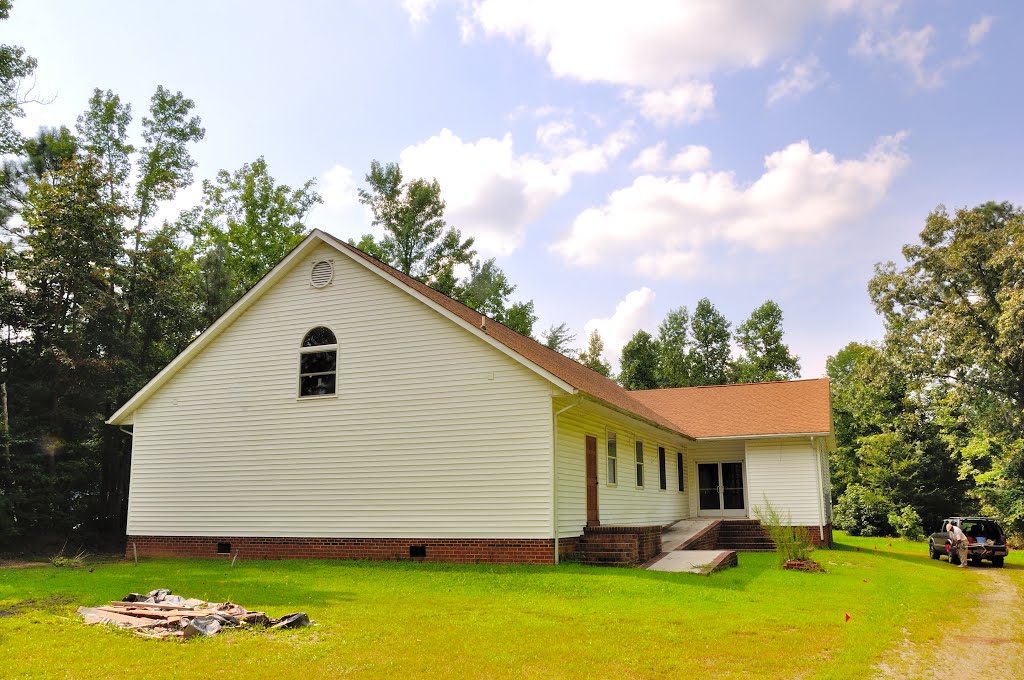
x=161, y=614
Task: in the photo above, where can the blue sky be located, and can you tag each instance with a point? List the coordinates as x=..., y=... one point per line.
x=619, y=159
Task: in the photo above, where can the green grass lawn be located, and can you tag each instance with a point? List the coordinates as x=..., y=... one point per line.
x=383, y=619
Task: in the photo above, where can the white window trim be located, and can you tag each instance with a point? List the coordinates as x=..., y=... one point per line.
x=639, y=464
x=335, y=347
x=611, y=461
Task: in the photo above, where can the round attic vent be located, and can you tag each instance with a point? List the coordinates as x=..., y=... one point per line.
x=322, y=273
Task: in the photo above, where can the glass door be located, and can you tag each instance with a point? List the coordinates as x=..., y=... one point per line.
x=720, y=487
x=707, y=480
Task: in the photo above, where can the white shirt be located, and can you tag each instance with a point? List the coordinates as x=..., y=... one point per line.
x=957, y=535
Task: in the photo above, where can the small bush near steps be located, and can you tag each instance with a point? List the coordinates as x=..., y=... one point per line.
x=792, y=544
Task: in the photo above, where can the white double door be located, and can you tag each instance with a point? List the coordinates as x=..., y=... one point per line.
x=720, y=487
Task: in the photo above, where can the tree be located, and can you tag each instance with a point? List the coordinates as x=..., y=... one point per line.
x=247, y=224
x=709, y=353
x=560, y=339
x=639, y=362
x=673, y=344
x=15, y=67
x=591, y=356
x=103, y=129
x=765, y=356
x=520, y=318
x=166, y=164
x=954, y=319
x=887, y=440
x=416, y=241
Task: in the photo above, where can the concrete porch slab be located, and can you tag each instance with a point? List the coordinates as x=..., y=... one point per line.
x=694, y=561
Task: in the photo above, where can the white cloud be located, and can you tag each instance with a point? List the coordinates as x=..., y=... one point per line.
x=340, y=213
x=798, y=78
x=653, y=44
x=492, y=192
x=632, y=313
x=680, y=105
x=666, y=223
x=977, y=31
x=909, y=48
x=689, y=159
x=419, y=10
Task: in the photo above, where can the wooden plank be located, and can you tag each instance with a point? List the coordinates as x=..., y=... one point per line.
x=101, y=615
x=149, y=613
x=151, y=605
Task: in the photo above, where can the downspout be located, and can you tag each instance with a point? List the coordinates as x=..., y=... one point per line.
x=821, y=490
x=554, y=471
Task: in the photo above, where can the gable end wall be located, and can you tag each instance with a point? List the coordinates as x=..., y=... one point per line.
x=433, y=433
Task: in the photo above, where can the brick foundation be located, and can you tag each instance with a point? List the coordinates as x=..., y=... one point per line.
x=617, y=545
x=490, y=550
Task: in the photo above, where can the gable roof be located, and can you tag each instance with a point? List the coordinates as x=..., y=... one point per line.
x=549, y=364
x=557, y=364
x=755, y=409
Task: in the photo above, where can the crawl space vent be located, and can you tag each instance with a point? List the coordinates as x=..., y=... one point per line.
x=322, y=274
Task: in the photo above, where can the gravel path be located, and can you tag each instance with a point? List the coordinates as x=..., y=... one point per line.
x=991, y=644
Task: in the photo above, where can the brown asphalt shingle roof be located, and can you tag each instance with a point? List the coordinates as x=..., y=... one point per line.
x=791, y=407
x=797, y=406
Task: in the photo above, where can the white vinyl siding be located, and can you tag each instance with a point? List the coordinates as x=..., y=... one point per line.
x=785, y=472
x=623, y=503
x=433, y=433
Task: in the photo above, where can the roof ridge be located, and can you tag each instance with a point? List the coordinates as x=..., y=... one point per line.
x=704, y=387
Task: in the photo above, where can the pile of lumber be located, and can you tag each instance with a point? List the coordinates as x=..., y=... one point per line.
x=161, y=614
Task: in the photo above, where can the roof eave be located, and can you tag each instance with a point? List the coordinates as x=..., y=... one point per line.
x=776, y=435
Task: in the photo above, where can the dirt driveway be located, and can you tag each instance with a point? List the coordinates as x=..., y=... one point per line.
x=989, y=645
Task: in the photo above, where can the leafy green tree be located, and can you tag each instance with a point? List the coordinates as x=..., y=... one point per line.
x=954, y=319
x=248, y=222
x=103, y=129
x=639, y=362
x=765, y=356
x=591, y=356
x=710, y=351
x=673, y=349
x=416, y=241
x=520, y=318
x=166, y=164
x=887, y=439
x=15, y=68
x=560, y=339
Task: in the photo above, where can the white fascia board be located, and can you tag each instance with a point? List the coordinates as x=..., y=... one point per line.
x=501, y=347
x=123, y=415
x=781, y=435
x=601, y=404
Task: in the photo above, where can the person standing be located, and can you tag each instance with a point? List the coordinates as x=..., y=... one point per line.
x=959, y=540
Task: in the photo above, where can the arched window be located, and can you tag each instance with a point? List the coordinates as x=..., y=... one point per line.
x=318, y=363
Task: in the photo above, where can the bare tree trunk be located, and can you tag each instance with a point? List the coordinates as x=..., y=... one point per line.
x=7, y=427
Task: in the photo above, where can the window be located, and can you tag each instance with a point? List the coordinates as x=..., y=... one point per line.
x=613, y=456
x=318, y=363
x=679, y=470
x=662, y=477
x=639, y=463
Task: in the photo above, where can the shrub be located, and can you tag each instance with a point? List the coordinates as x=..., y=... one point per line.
x=74, y=561
x=907, y=523
x=791, y=543
x=862, y=512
